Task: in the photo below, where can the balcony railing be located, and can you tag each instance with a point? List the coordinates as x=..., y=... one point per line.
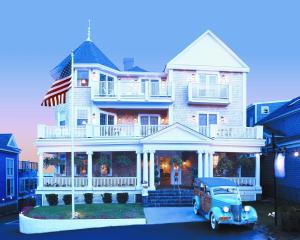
x=211, y=94
x=99, y=131
x=83, y=182
x=125, y=90
x=133, y=130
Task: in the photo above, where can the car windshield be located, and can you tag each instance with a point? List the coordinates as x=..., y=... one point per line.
x=225, y=190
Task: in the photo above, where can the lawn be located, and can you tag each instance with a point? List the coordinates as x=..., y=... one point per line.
x=89, y=211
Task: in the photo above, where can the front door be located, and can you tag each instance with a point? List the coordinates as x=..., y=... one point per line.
x=175, y=175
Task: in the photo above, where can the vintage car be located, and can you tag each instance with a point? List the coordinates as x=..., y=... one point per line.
x=219, y=201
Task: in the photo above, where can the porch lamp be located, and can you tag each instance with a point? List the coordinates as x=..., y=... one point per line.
x=296, y=154
x=94, y=118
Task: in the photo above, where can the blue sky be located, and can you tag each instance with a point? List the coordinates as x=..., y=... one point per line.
x=36, y=35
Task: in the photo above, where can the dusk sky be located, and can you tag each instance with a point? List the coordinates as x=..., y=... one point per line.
x=36, y=35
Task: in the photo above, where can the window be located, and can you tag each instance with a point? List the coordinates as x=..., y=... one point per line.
x=265, y=110
x=143, y=85
x=205, y=119
x=82, y=117
x=82, y=78
x=208, y=84
x=149, y=124
x=106, y=164
x=62, y=118
x=154, y=86
x=10, y=177
x=107, y=119
x=106, y=86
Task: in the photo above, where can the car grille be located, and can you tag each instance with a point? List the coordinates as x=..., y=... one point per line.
x=236, y=212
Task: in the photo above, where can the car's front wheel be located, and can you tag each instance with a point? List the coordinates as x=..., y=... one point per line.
x=213, y=222
x=196, y=211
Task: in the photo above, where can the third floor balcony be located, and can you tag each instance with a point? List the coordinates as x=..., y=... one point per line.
x=132, y=91
x=216, y=94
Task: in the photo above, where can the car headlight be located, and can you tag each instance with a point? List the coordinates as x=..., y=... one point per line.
x=247, y=208
x=226, y=209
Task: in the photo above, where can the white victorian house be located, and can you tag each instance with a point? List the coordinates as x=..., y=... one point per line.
x=136, y=128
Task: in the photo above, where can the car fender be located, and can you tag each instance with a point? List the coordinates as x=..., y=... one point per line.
x=217, y=212
x=252, y=213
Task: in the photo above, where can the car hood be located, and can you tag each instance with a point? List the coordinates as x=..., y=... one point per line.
x=228, y=199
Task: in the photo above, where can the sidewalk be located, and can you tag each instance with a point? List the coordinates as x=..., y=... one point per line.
x=159, y=215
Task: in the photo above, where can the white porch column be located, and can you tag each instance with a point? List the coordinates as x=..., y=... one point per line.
x=200, y=164
x=206, y=164
x=41, y=169
x=138, y=169
x=152, y=172
x=90, y=169
x=145, y=167
x=257, y=169
x=211, y=164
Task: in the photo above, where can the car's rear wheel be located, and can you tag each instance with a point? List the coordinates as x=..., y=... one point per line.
x=251, y=226
x=196, y=211
x=213, y=222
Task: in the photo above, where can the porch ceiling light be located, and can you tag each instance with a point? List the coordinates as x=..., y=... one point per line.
x=296, y=154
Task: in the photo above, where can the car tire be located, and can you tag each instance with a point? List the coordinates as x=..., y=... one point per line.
x=251, y=226
x=196, y=210
x=213, y=222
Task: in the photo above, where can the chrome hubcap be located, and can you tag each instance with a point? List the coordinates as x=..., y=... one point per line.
x=195, y=208
x=213, y=221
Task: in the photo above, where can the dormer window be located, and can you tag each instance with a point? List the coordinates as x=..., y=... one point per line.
x=82, y=78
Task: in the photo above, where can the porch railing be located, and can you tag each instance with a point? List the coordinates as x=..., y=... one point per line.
x=114, y=181
x=243, y=181
x=219, y=131
x=83, y=181
x=65, y=181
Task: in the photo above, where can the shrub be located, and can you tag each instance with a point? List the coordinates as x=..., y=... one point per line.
x=88, y=198
x=122, y=197
x=106, y=197
x=67, y=199
x=52, y=199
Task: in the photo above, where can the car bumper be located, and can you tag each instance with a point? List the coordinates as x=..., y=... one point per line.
x=242, y=222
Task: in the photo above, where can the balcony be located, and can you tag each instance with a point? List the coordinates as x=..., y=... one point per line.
x=140, y=131
x=131, y=91
x=213, y=95
x=99, y=131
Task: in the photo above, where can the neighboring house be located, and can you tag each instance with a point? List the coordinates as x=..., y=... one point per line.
x=284, y=125
x=27, y=179
x=9, y=157
x=136, y=128
x=257, y=111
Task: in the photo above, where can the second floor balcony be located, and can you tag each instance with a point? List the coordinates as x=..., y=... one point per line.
x=217, y=94
x=140, y=131
x=132, y=91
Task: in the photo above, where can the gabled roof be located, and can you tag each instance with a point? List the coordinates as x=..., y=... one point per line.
x=7, y=142
x=87, y=52
x=136, y=69
x=288, y=108
x=208, y=52
x=176, y=133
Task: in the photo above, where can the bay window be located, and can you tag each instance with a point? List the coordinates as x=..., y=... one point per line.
x=10, y=191
x=106, y=86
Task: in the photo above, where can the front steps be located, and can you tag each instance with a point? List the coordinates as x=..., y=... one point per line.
x=169, y=198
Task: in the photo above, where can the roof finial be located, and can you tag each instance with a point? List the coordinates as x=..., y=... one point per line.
x=89, y=32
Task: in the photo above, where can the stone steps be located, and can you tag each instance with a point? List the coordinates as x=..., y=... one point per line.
x=169, y=198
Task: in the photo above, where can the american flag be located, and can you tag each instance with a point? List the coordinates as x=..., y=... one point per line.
x=57, y=93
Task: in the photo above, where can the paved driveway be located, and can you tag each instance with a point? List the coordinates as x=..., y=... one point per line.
x=158, y=215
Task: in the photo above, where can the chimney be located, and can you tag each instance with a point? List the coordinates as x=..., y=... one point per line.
x=128, y=63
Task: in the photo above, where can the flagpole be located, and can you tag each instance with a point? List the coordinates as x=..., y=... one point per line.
x=72, y=136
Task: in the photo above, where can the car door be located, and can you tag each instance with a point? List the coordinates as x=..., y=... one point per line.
x=206, y=200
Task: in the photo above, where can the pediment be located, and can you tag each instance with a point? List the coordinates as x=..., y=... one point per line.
x=176, y=133
x=208, y=51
